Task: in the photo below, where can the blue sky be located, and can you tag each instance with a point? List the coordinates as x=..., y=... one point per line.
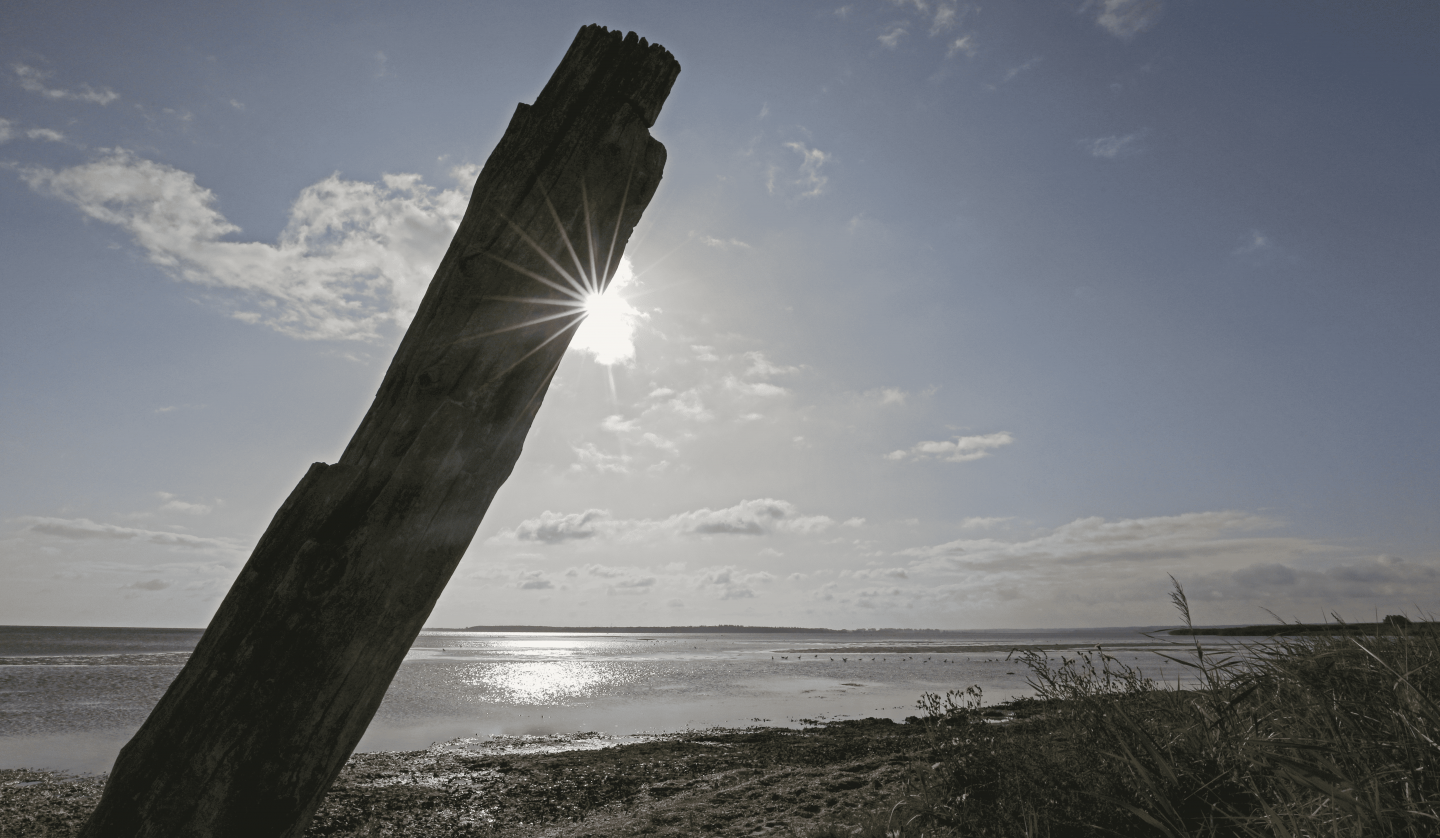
x=945, y=315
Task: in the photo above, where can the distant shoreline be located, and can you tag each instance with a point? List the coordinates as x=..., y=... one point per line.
x=1292, y=629
x=730, y=629
x=724, y=629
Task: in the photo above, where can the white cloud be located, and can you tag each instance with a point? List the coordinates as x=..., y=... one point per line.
x=760, y=365
x=750, y=517
x=1126, y=18
x=891, y=38
x=965, y=44
x=33, y=80
x=686, y=405
x=617, y=424
x=963, y=449
x=49, y=135
x=945, y=18
x=811, y=180
x=174, y=504
x=730, y=582
x=877, y=573
x=1111, y=148
x=724, y=244
x=85, y=529
x=533, y=580
x=353, y=257
x=555, y=527
x=7, y=132
x=1017, y=70
x=590, y=457
x=754, y=388
x=983, y=523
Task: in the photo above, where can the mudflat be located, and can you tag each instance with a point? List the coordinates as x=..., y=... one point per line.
x=709, y=782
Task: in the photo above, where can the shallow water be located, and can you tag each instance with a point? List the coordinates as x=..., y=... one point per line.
x=70, y=698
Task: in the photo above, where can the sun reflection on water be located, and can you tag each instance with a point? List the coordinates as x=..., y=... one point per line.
x=539, y=682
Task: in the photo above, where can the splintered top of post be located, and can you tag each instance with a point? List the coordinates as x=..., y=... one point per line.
x=600, y=60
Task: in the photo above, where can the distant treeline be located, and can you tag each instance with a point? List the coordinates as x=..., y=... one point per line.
x=725, y=629
x=1391, y=623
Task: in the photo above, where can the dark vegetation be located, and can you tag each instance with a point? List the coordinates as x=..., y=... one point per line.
x=1391, y=623
x=1331, y=734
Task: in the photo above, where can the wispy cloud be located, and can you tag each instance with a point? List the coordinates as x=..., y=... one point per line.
x=963, y=45
x=1255, y=243
x=9, y=131
x=960, y=450
x=1191, y=535
x=1021, y=68
x=978, y=523
x=763, y=389
x=946, y=18
x=724, y=244
x=1126, y=18
x=811, y=181
x=761, y=366
x=33, y=80
x=887, y=395
x=175, y=504
x=85, y=529
x=1114, y=147
x=49, y=135
x=353, y=257
x=892, y=36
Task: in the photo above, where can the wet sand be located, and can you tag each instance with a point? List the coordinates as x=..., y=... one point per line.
x=714, y=782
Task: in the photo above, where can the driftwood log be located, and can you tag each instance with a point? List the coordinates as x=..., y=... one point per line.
x=255, y=728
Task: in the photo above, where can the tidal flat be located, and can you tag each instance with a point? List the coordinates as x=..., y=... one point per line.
x=713, y=782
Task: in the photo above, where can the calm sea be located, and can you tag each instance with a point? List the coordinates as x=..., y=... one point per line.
x=71, y=697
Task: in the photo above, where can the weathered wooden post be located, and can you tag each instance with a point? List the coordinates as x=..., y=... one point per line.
x=298, y=657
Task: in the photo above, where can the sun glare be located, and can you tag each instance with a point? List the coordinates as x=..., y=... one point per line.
x=608, y=331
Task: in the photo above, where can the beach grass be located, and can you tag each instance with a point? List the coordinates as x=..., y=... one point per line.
x=1323, y=734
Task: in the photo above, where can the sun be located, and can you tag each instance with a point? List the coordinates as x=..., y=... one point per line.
x=604, y=320
x=608, y=331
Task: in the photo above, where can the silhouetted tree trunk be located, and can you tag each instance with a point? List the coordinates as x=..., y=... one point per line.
x=299, y=655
